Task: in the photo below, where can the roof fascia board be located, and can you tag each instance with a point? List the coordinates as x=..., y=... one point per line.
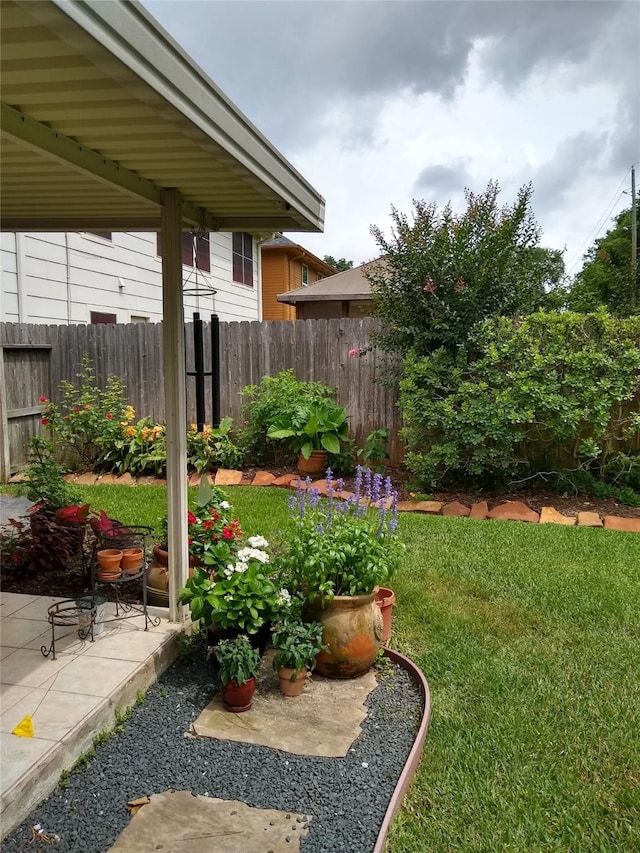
x=297, y=252
x=55, y=145
x=133, y=36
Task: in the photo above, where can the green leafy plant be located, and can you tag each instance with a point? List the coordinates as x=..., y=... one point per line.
x=274, y=398
x=213, y=447
x=297, y=645
x=45, y=482
x=88, y=420
x=341, y=548
x=318, y=425
x=374, y=453
x=237, y=659
x=243, y=595
x=139, y=447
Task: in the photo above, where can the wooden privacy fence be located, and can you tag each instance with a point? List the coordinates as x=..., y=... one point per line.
x=36, y=358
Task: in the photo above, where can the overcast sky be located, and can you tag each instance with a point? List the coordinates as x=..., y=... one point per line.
x=377, y=102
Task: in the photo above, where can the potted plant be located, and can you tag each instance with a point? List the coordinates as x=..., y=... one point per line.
x=242, y=598
x=335, y=557
x=213, y=536
x=318, y=428
x=297, y=645
x=239, y=665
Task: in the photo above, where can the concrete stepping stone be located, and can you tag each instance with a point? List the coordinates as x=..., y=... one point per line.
x=589, y=519
x=455, y=509
x=227, y=477
x=514, y=511
x=178, y=820
x=550, y=515
x=324, y=720
x=627, y=525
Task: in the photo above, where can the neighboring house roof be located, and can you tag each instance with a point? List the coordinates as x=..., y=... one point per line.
x=297, y=252
x=106, y=109
x=343, y=287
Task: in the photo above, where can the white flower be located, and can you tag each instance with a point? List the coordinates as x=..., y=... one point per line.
x=284, y=597
x=228, y=572
x=257, y=542
x=225, y=505
x=241, y=567
x=246, y=554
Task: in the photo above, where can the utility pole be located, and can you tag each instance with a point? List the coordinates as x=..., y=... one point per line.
x=634, y=237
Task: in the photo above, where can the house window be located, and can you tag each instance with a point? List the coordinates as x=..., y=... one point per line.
x=305, y=275
x=100, y=317
x=201, y=253
x=138, y=318
x=242, y=258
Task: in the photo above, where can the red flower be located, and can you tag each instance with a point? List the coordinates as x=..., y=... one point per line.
x=43, y=399
x=227, y=533
x=214, y=515
x=191, y=518
x=44, y=421
x=208, y=525
x=109, y=416
x=429, y=286
x=76, y=408
x=190, y=541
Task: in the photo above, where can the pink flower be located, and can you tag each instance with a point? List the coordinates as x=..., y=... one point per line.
x=109, y=416
x=459, y=285
x=354, y=353
x=43, y=399
x=76, y=408
x=429, y=286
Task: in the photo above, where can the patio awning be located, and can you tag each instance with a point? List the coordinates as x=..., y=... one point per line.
x=108, y=125
x=101, y=110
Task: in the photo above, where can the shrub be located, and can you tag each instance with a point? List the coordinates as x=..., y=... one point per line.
x=139, y=447
x=45, y=483
x=88, y=420
x=213, y=447
x=540, y=394
x=276, y=397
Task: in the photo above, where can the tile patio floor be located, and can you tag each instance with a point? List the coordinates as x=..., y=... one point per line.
x=70, y=699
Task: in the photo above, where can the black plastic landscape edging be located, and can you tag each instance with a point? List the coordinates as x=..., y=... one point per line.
x=413, y=759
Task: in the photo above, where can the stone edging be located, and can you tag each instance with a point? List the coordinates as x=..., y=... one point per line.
x=506, y=511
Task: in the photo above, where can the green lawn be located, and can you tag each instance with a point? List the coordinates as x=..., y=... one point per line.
x=529, y=638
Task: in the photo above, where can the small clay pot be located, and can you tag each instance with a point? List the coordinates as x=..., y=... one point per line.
x=109, y=560
x=132, y=560
x=238, y=697
x=289, y=687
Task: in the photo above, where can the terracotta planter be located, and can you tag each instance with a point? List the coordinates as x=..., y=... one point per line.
x=385, y=599
x=314, y=465
x=132, y=560
x=352, y=627
x=157, y=583
x=109, y=576
x=238, y=698
x=289, y=687
x=109, y=560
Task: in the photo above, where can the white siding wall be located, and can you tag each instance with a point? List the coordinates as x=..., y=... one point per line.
x=66, y=276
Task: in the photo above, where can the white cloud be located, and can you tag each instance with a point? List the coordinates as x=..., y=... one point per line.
x=377, y=102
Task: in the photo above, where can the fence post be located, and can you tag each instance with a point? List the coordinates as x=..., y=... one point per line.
x=5, y=462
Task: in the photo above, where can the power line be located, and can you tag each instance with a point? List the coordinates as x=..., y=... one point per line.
x=600, y=223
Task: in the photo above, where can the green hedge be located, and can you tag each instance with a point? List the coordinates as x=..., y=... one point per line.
x=543, y=393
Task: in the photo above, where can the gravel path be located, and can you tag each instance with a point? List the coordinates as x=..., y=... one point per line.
x=347, y=796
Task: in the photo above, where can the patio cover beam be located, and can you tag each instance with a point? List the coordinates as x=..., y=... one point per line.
x=55, y=145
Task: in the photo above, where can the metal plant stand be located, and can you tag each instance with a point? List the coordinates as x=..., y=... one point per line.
x=70, y=613
x=128, y=537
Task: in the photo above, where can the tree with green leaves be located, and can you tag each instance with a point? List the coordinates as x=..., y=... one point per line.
x=607, y=278
x=445, y=272
x=342, y=265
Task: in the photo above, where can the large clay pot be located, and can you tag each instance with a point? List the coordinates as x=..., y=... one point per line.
x=385, y=599
x=352, y=627
x=158, y=577
x=314, y=465
x=291, y=681
x=238, y=697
